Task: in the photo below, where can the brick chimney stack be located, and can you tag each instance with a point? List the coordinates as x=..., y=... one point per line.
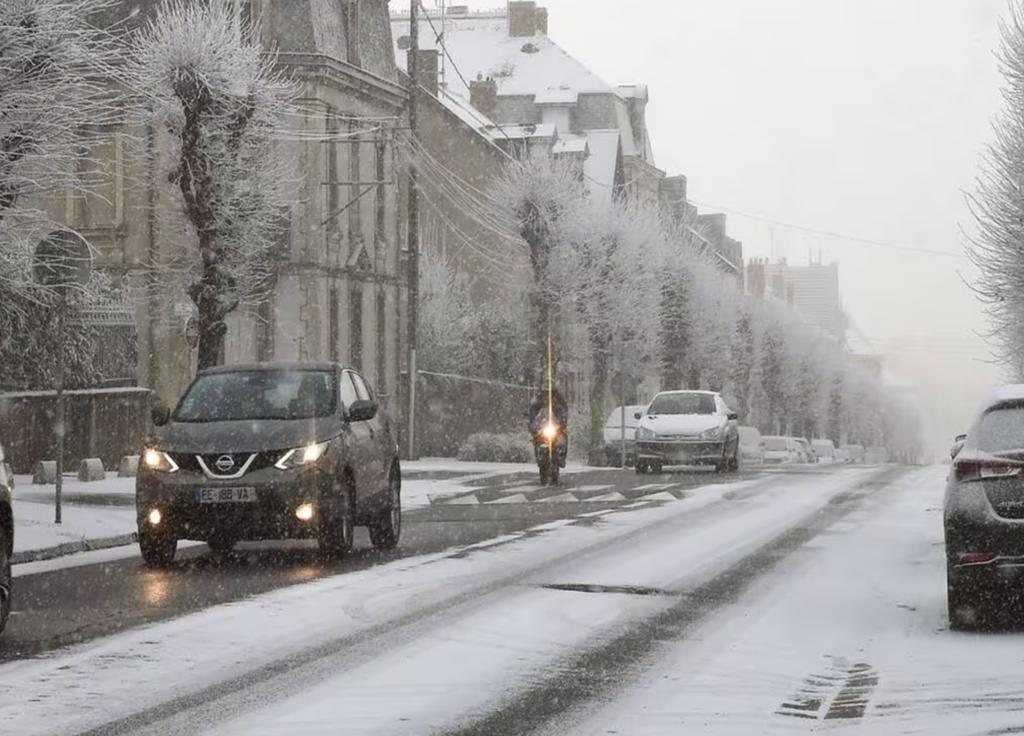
x=525, y=19
x=483, y=95
x=427, y=70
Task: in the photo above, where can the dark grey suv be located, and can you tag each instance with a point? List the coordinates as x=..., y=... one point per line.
x=984, y=511
x=270, y=451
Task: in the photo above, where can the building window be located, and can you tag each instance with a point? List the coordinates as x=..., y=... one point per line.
x=355, y=325
x=381, y=203
x=382, y=342
x=333, y=188
x=355, y=226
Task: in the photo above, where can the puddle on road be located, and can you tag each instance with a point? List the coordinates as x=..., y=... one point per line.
x=622, y=589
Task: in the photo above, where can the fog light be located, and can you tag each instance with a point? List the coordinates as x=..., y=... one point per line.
x=304, y=512
x=155, y=517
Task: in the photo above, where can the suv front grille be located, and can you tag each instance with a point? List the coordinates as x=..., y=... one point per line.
x=191, y=463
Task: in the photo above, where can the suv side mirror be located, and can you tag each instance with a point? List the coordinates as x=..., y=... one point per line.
x=960, y=438
x=160, y=413
x=732, y=416
x=362, y=411
x=638, y=415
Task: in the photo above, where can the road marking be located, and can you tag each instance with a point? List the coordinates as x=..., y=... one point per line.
x=608, y=497
x=560, y=498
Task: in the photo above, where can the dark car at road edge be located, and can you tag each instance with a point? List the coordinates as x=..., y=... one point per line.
x=270, y=451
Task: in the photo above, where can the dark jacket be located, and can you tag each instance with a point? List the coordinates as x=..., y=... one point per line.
x=559, y=407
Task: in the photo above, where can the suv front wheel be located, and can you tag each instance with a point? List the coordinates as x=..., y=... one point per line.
x=386, y=528
x=337, y=527
x=6, y=579
x=158, y=549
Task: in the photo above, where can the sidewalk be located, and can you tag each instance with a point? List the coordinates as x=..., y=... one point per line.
x=101, y=515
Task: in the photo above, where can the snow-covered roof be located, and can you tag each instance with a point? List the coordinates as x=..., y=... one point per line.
x=541, y=130
x=481, y=47
x=1011, y=392
x=460, y=107
x=570, y=144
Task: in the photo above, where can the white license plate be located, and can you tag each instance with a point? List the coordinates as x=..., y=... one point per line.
x=226, y=495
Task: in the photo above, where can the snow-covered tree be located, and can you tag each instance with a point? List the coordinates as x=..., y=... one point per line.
x=49, y=99
x=998, y=205
x=210, y=85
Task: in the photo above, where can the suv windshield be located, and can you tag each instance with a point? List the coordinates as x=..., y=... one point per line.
x=683, y=404
x=224, y=397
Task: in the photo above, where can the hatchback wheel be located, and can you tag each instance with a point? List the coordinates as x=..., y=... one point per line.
x=158, y=548
x=387, y=527
x=6, y=579
x=337, y=527
x=965, y=604
x=221, y=544
x=642, y=468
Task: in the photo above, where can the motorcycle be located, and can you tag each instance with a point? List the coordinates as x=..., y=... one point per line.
x=550, y=447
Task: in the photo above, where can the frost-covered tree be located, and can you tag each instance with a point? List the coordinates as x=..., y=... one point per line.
x=998, y=205
x=209, y=84
x=49, y=94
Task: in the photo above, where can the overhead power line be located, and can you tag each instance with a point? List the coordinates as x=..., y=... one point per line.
x=832, y=234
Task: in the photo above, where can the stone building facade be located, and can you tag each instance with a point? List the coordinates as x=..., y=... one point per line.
x=340, y=288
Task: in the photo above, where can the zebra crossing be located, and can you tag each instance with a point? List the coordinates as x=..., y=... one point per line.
x=527, y=492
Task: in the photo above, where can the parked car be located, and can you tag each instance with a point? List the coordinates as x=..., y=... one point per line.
x=857, y=453
x=6, y=541
x=806, y=453
x=824, y=451
x=613, y=435
x=750, y=446
x=270, y=451
x=983, y=511
x=843, y=455
x=780, y=450
x=687, y=428
x=876, y=455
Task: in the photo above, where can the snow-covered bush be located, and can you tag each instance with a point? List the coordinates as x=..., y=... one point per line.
x=497, y=448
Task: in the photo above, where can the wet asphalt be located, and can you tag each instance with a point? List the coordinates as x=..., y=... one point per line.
x=75, y=605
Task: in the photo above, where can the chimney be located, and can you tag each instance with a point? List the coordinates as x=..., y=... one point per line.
x=522, y=18
x=483, y=96
x=541, y=20
x=427, y=70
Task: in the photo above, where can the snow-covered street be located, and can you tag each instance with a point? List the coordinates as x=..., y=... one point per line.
x=774, y=603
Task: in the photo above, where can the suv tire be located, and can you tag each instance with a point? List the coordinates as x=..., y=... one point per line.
x=386, y=529
x=158, y=549
x=337, y=530
x=6, y=578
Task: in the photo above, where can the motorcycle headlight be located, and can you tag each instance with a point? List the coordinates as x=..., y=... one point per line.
x=549, y=431
x=300, y=456
x=643, y=433
x=711, y=434
x=159, y=461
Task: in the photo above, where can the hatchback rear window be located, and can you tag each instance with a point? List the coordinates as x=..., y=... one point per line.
x=1000, y=430
x=250, y=395
x=775, y=444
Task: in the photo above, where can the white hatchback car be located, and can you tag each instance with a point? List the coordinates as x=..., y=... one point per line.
x=687, y=428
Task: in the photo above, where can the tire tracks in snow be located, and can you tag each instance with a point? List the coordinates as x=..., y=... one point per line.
x=292, y=674
x=610, y=667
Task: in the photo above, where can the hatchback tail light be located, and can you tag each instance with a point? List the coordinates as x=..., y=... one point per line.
x=974, y=470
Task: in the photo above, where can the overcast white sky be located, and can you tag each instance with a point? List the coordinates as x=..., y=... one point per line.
x=865, y=118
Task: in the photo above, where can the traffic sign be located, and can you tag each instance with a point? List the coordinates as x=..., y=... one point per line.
x=192, y=333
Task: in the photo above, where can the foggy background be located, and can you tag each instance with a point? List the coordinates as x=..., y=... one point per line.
x=862, y=118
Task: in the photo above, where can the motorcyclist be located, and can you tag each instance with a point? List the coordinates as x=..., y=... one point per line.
x=559, y=409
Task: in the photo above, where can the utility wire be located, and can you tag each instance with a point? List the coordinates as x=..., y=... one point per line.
x=831, y=234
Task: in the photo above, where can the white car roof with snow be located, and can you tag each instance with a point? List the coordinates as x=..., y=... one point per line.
x=1010, y=392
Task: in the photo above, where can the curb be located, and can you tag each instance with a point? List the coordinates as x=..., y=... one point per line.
x=71, y=548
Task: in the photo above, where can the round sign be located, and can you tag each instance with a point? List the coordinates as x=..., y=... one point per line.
x=192, y=333
x=63, y=257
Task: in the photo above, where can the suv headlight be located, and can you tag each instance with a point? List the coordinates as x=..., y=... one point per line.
x=643, y=433
x=299, y=456
x=711, y=434
x=159, y=461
